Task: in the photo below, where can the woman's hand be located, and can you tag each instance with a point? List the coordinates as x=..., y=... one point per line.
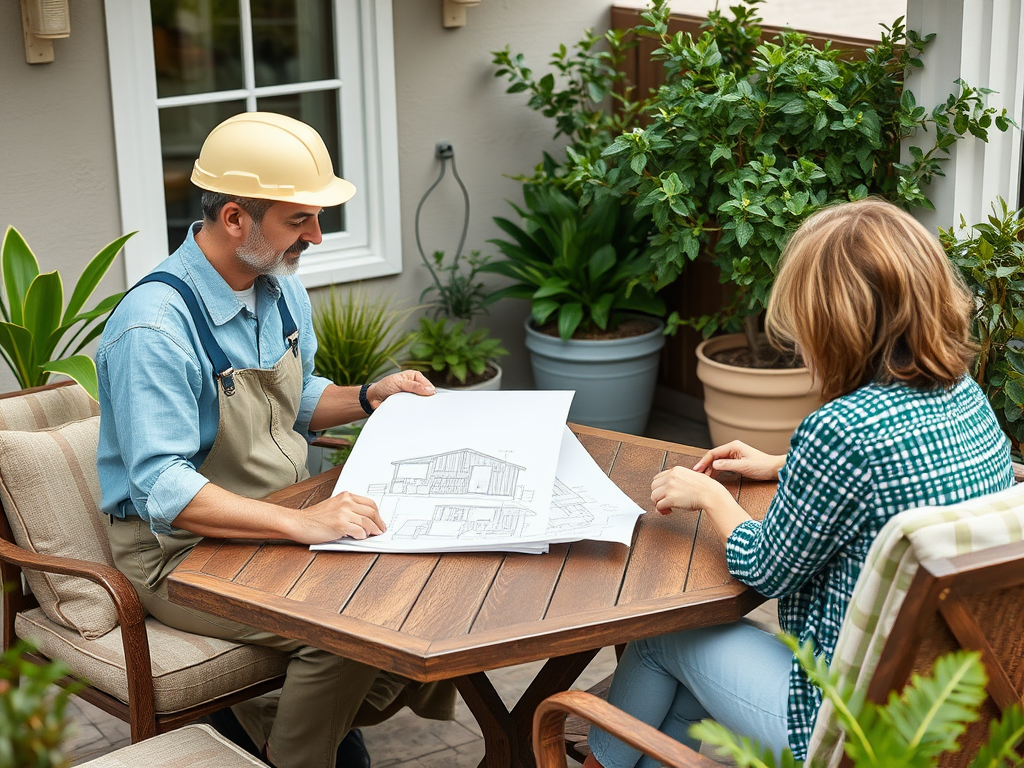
x=682, y=488
x=741, y=458
x=403, y=381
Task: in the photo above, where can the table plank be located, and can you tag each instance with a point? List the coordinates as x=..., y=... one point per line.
x=275, y=567
x=231, y=557
x=521, y=590
x=331, y=579
x=390, y=589
x=451, y=599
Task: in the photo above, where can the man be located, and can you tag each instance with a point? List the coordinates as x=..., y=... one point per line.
x=207, y=398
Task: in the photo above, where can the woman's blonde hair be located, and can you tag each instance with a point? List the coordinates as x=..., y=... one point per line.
x=867, y=294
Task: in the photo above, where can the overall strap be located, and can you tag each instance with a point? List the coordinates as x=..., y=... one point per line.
x=222, y=369
x=291, y=332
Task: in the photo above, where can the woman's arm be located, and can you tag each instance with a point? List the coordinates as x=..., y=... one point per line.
x=682, y=488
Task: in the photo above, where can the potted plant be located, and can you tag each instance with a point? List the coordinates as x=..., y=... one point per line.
x=454, y=358
x=33, y=723
x=746, y=140
x=359, y=339
x=990, y=256
x=33, y=325
x=445, y=349
x=593, y=323
x=913, y=728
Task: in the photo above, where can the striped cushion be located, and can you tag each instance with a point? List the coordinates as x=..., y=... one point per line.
x=925, y=533
x=50, y=491
x=188, y=669
x=46, y=408
x=195, y=746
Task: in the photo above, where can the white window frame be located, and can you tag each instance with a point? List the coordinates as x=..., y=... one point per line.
x=371, y=246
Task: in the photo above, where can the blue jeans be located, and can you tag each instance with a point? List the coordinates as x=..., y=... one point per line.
x=735, y=674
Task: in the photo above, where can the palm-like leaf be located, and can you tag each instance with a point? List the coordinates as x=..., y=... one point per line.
x=35, y=304
x=1003, y=747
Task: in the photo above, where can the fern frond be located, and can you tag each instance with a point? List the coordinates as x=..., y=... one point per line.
x=742, y=751
x=1004, y=736
x=933, y=712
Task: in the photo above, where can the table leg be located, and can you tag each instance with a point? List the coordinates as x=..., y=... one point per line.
x=508, y=736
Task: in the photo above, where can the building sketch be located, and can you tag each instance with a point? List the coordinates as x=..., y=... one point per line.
x=461, y=494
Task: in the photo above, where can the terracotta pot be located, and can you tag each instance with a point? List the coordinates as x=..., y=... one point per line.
x=759, y=406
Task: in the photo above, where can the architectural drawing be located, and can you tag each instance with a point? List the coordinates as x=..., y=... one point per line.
x=468, y=495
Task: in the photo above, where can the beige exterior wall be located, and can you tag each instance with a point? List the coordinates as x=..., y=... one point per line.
x=57, y=157
x=59, y=178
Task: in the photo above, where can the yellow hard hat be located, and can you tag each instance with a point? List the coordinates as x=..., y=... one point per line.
x=270, y=157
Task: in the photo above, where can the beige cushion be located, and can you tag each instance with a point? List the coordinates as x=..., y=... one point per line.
x=194, y=746
x=47, y=408
x=187, y=669
x=50, y=491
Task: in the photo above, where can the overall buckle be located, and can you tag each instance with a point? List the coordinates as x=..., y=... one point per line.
x=227, y=381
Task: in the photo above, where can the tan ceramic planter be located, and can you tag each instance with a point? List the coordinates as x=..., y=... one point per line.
x=761, y=407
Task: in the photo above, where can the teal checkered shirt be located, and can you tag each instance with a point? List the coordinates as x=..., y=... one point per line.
x=852, y=465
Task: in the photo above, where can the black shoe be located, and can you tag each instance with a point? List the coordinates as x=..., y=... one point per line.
x=352, y=751
x=227, y=725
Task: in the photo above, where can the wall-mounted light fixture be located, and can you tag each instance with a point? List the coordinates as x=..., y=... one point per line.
x=453, y=12
x=43, y=21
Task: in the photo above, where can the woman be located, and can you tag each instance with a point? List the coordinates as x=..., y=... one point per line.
x=871, y=302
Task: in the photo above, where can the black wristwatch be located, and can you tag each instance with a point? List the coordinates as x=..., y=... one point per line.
x=364, y=401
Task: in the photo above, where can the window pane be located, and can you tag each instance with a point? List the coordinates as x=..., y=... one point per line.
x=320, y=110
x=293, y=42
x=197, y=46
x=182, y=133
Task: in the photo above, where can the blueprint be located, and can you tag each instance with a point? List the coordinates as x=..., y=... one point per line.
x=485, y=490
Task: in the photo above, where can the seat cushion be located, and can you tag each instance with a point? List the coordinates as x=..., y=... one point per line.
x=188, y=669
x=50, y=491
x=46, y=408
x=194, y=746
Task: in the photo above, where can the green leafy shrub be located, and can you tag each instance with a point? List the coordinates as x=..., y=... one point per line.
x=990, y=256
x=746, y=141
x=448, y=354
x=911, y=730
x=33, y=325
x=582, y=266
x=359, y=338
x=32, y=715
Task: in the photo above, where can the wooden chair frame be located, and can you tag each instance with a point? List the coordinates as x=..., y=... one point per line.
x=140, y=711
x=942, y=591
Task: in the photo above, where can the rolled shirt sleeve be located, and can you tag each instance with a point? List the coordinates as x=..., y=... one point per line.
x=156, y=420
x=823, y=497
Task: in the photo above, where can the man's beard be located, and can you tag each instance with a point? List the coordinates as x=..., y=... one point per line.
x=259, y=255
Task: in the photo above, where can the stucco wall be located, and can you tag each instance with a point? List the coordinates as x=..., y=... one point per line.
x=57, y=157
x=59, y=182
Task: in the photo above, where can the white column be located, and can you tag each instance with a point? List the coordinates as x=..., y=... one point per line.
x=981, y=41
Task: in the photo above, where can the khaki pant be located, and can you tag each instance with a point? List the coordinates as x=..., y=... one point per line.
x=323, y=695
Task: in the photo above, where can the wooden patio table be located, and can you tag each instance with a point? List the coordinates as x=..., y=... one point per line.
x=435, y=617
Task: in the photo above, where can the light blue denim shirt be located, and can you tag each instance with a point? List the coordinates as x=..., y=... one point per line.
x=158, y=397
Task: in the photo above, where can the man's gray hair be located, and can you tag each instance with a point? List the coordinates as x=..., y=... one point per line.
x=213, y=202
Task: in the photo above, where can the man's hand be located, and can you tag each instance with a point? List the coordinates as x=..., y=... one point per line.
x=403, y=381
x=343, y=515
x=740, y=457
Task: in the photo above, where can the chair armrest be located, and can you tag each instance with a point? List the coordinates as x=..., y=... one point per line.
x=335, y=443
x=1018, y=472
x=549, y=740
x=126, y=601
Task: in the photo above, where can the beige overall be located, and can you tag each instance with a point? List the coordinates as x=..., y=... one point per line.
x=323, y=694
